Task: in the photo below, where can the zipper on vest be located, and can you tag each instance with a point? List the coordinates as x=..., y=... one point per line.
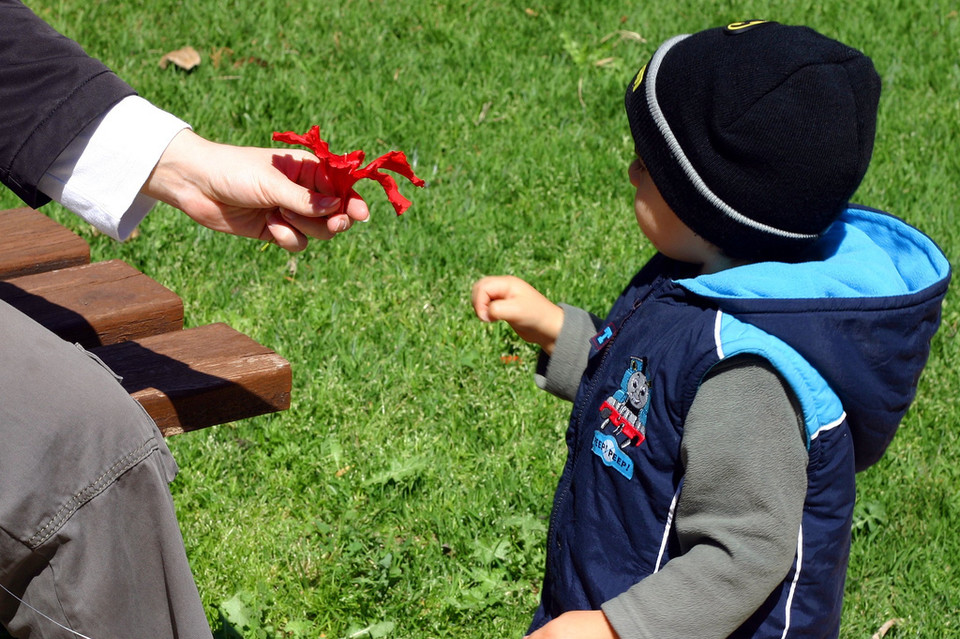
x=577, y=418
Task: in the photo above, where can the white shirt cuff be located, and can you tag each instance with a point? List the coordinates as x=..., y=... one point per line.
x=100, y=174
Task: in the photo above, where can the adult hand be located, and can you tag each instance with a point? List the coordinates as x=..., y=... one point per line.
x=281, y=196
x=534, y=318
x=577, y=624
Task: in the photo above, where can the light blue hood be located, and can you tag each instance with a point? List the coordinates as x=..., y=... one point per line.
x=861, y=307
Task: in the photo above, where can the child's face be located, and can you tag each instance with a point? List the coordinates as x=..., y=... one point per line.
x=664, y=229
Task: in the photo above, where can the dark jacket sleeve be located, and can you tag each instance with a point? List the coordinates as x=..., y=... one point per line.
x=50, y=89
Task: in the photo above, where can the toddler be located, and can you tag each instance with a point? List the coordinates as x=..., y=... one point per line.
x=762, y=357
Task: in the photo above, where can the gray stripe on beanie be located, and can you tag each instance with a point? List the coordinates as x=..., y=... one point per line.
x=674, y=145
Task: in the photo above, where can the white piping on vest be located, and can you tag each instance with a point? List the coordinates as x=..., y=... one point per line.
x=793, y=585
x=666, y=529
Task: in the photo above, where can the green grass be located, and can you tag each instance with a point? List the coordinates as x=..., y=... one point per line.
x=405, y=493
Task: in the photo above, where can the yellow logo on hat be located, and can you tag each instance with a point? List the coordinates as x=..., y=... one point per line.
x=745, y=24
x=639, y=77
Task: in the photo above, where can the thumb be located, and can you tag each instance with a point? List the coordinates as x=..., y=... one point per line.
x=290, y=196
x=295, y=184
x=505, y=309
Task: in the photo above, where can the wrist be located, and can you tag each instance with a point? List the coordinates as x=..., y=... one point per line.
x=168, y=182
x=553, y=324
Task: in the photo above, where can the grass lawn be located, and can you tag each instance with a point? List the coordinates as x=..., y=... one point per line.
x=406, y=491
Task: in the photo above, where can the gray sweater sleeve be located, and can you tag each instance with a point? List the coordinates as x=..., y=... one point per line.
x=738, y=516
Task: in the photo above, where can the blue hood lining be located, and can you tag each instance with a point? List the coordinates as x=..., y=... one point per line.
x=865, y=253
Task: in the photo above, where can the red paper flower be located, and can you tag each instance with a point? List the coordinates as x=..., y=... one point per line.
x=344, y=170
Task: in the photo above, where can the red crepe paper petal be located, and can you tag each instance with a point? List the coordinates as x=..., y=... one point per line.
x=344, y=171
x=311, y=139
x=395, y=161
x=400, y=203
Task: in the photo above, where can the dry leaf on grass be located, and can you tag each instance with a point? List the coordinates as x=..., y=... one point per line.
x=623, y=36
x=186, y=58
x=885, y=628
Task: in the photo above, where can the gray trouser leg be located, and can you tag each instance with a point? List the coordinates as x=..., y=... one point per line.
x=88, y=535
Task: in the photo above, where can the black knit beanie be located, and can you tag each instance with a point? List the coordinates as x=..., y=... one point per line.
x=756, y=134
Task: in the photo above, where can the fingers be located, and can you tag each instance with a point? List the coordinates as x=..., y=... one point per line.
x=531, y=315
x=300, y=185
x=494, y=297
x=321, y=228
x=307, y=190
x=316, y=204
x=284, y=235
x=302, y=201
x=485, y=291
x=357, y=209
x=312, y=213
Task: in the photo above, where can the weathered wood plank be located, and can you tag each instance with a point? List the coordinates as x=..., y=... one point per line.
x=32, y=243
x=96, y=304
x=185, y=379
x=200, y=376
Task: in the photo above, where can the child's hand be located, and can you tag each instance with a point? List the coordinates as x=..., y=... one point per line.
x=577, y=624
x=534, y=318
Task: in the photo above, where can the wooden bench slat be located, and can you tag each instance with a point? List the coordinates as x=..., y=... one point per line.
x=96, y=304
x=33, y=243
x=185, y=379
x=201, y=376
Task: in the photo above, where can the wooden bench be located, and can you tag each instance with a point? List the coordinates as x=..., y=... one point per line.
x=185, y=378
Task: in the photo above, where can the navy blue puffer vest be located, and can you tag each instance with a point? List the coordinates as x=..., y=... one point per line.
x=826, y=324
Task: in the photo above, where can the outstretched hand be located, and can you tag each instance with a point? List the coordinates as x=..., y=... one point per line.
x=531, y=315
x=279, y=196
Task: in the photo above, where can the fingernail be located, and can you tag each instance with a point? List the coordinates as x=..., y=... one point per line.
x=328, y=202
x=343, y=226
